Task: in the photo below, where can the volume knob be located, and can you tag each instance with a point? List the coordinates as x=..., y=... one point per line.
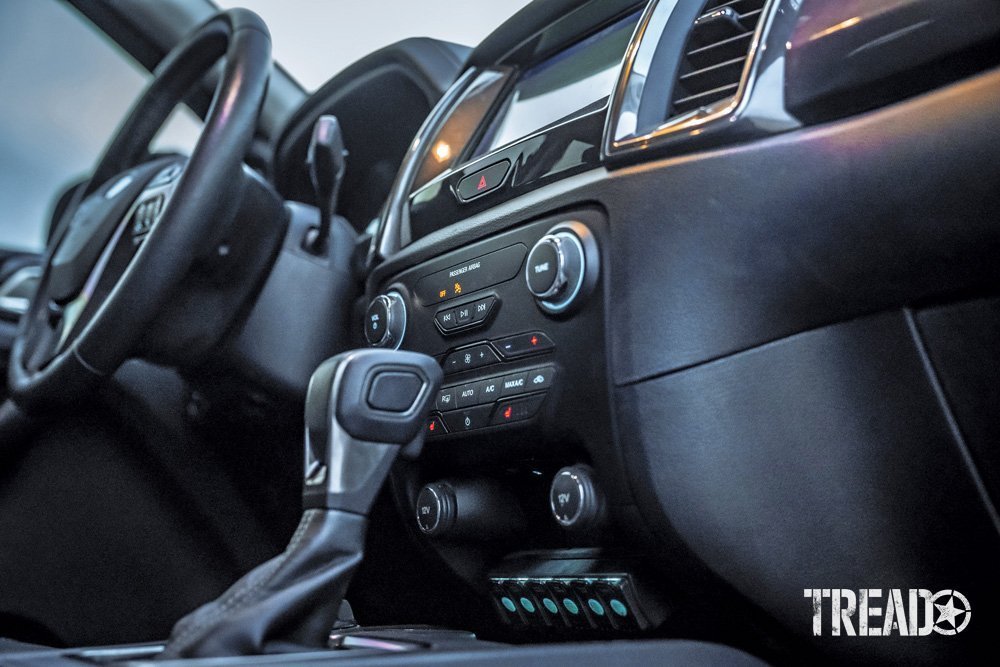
x=385, y=321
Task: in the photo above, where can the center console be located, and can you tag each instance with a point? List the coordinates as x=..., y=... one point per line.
x=498, y=316
x=521, y=490
x=515, y=485
x=494, y=256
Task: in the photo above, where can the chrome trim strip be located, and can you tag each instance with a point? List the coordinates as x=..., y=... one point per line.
x=388, y=239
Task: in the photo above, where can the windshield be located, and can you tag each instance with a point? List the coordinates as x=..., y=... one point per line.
x=315, y=40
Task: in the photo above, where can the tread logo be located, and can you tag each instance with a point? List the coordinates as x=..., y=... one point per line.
x=915, y=612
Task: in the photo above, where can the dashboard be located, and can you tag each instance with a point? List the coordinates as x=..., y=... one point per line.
x=713, y=285
x=660, y=254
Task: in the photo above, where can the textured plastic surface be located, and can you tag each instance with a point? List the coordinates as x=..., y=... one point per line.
x=821, y=461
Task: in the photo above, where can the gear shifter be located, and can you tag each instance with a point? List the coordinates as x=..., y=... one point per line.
x=363, y=408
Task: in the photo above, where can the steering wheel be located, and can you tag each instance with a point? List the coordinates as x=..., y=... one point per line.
x=129, y=238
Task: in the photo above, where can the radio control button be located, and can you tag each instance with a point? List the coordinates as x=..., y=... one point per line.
x=481, y=309
x=463, y=314
x=385, y=321
x=446, y=319
x=561, y=270
x=543, y=272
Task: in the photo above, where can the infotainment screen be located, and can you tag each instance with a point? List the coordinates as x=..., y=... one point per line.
x=572, y=80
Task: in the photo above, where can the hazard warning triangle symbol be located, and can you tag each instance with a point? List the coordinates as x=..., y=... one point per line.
x=482, y=182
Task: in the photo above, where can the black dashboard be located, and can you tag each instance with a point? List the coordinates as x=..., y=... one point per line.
x=713, y=289
x=686, y=274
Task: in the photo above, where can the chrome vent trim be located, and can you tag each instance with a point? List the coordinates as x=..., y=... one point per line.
x=716, y=54
x=738, y=25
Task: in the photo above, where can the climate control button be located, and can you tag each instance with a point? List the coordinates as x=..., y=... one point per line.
x=521, y=345
x=518, y=409
x=470, y=357
x=469, y=419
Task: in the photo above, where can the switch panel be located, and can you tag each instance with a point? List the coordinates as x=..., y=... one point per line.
x=601, y=603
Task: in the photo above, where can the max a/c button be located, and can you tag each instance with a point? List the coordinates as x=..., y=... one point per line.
x=514, y=384
x=483, y=181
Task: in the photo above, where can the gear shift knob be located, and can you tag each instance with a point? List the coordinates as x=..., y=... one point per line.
x=362, y=409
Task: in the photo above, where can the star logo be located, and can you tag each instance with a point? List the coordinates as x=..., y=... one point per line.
x=954, y=612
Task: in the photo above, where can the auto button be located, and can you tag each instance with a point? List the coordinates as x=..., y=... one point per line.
x=468, y=394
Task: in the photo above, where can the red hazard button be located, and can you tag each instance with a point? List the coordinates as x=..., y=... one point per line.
x=483, y=181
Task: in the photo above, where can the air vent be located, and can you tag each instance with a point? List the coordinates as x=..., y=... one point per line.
x=716, y=53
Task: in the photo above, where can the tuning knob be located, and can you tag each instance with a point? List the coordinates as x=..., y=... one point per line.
x=385, y=321
x=562, y=267
x=576, y=501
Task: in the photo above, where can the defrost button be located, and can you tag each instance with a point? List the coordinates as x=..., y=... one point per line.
x=540, y=378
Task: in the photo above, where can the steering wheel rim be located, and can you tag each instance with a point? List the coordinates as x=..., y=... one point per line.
x=239, y=38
